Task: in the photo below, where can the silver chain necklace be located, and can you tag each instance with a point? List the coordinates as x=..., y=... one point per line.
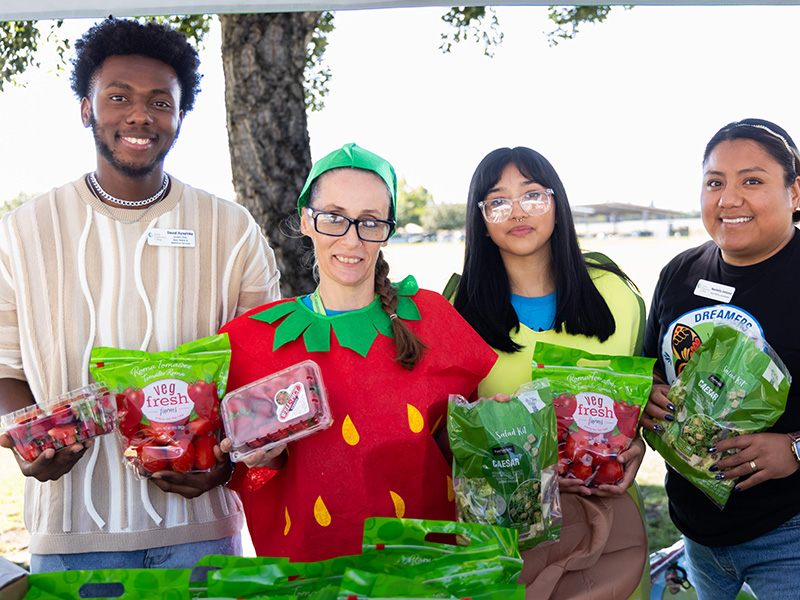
x=129, y=203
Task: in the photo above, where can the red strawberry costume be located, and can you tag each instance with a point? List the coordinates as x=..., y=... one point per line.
x=379, y=458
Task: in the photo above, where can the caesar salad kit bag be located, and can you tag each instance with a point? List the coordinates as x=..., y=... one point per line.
x=504, y=463
x=731, y=385
x=597, y=400
x=168, y=405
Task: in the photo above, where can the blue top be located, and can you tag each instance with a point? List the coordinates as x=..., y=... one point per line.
x=539, y=314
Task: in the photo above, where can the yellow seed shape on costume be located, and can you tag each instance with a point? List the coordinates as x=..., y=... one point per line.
x=288, y=522
x=321, y=513
x=415, y=420
x=349, y=431
x=450, y=493
x=436, y=425
x=399, y=505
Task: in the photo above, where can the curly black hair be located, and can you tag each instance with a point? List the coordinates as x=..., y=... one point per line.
x=121, y=37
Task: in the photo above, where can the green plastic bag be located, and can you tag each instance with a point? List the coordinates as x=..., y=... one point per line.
x=317, y=580
x=398, y=543
x=597, y=399
x=505, y=463
x=123, y=584
x=729, y=387
x=167, y=403
x=366, y=586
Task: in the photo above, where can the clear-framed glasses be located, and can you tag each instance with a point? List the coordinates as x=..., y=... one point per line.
x=534, y=202
x=336, y=225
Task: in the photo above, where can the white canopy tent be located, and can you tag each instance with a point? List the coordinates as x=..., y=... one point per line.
x=52, y=9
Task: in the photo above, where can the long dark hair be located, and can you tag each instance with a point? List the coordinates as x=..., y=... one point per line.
x=771, y=137
x=484, y=293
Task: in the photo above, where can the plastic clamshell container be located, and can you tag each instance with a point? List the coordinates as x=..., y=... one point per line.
x=75, y=416
x=279, y=408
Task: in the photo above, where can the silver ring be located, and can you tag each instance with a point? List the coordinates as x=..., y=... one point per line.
x=753, y=465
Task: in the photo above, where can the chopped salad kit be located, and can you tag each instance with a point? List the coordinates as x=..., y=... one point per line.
x=75, y=416
x=167, y=402
x=597, y=400
x=279, y=408
x=505, y=463
x=730, y=386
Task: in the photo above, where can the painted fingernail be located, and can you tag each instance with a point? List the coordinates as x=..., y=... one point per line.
x=669, y=417
x=713, y=468
x=720, y=476
x=738, y=488
x=712, y=449
x=670, y=406
x=658, y=428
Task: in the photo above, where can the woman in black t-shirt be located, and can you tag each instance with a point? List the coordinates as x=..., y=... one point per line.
x=747, y=273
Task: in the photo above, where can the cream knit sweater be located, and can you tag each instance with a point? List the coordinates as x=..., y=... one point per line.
x=73, y=278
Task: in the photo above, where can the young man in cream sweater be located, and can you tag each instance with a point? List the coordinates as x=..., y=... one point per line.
x=93, y=263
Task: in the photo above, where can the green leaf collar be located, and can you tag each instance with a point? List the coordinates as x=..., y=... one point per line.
x=355, y=329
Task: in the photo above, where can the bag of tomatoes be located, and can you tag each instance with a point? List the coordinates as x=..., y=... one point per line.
x=597, y=399
x=167, y=403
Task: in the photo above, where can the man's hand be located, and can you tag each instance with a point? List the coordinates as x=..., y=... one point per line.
x=49, y=465
x=192, y=485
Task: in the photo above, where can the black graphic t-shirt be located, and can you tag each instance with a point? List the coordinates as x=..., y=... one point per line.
x=694, y=290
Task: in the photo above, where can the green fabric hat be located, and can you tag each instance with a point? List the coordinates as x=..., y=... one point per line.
x=354, y=157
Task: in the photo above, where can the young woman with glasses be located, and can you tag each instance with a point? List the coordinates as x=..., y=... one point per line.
x=390, y=354
x=526, y=280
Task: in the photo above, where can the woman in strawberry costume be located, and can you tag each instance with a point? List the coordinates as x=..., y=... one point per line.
x=389, y=355
x=524, y=281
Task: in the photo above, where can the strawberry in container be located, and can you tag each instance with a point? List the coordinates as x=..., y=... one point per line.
x=280, y=408
x=168, y=403
x=61, y=421
x=597, y=400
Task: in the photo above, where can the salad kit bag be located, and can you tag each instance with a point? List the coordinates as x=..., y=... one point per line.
x=730, y=386
x=366, y=586
x=597, y=399
x=505, y=463
x=167, y=403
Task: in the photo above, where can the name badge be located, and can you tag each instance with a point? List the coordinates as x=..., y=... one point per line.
x=714, y=291
x=181, y=238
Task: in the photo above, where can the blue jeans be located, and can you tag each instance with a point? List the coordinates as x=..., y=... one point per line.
x=770, y=564
x=182, y=556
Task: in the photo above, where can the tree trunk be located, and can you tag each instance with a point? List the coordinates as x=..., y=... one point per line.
x=263, y=58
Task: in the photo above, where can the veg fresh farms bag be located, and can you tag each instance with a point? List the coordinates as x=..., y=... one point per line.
x=504, y=463
x=124, y=584
x=729, y=387
x=597, y=400
x=167, y=402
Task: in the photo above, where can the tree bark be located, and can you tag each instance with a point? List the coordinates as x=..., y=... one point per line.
x=263, y=59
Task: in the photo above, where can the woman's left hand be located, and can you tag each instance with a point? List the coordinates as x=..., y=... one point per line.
x=631, y=460
x=763, y=456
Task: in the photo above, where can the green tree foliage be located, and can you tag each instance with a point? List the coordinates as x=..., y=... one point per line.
x=411, y=203
x=445, y=216
x=18, y=200
x=19, y=43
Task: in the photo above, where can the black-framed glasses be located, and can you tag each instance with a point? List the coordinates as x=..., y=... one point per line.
x=336, y=225
x=534, y=202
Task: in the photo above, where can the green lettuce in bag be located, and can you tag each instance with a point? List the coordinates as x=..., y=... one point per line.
x=505, y=462
x=167, y=403
x=597, y=399
x=730, y=386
